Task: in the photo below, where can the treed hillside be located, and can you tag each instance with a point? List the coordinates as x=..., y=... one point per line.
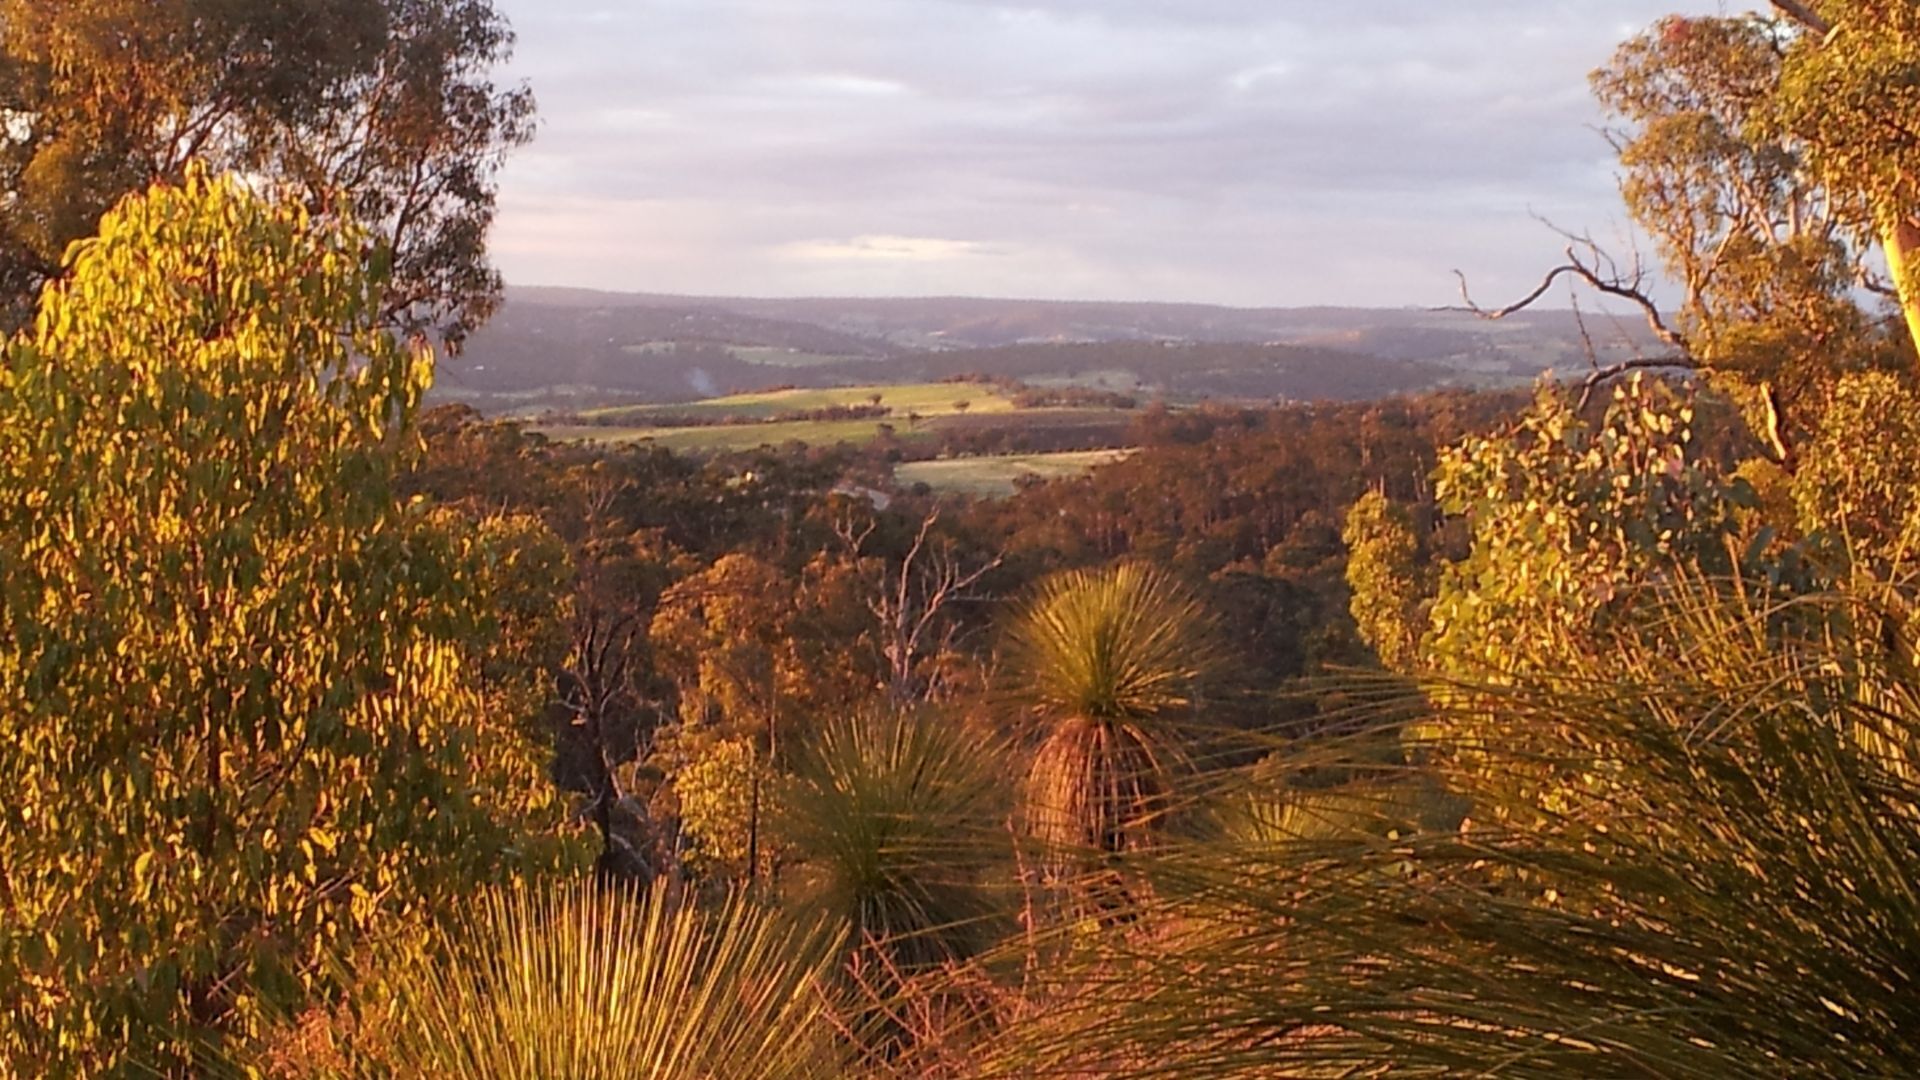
x=575, y=348
x=1185, y=370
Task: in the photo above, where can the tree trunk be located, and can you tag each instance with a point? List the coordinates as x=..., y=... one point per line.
x=1901, y=240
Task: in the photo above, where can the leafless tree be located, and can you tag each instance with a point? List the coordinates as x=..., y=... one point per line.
x=912, y=601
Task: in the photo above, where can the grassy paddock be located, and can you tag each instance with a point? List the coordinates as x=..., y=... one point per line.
x=723, y=437
x=998, y=475
x=926, y=399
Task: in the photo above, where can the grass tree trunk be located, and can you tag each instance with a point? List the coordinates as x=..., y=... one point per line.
x=1096, y=790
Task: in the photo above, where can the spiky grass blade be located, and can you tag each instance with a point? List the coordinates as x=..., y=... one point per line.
x=593, y=984
x=895, y=820
x=1127, y=642
x=1721, y=884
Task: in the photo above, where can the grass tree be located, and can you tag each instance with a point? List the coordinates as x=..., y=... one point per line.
x=893, y=820
x=590, y=982
x=1106, y=657
x=1731, y=894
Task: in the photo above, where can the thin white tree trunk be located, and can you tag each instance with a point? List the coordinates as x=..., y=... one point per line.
x=1901, y=241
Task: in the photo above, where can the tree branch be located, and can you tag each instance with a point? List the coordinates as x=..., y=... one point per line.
x=1626, y=287
x=1804, y=15
x=1600, y=375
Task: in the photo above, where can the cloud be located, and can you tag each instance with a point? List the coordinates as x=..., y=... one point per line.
x=887, y=248
x=1230, y=150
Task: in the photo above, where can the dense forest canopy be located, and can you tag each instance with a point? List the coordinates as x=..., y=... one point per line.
x=1568, y=732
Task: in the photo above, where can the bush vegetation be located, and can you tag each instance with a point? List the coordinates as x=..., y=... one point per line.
x=1576, y=735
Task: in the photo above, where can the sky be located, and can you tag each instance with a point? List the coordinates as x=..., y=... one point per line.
x=1243, y=152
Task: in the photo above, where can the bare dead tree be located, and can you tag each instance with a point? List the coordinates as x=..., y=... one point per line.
x=597, y=688
x=912, y=602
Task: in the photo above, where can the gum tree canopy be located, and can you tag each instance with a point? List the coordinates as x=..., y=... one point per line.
x=245, y=712
x=387, y=104
x=1774, y=161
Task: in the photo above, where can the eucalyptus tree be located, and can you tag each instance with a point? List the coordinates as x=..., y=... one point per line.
x=250, y=710
x=1773, y=160
x=384, y=108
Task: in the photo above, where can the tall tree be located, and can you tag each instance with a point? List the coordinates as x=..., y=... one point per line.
x=1774, y=163
x=1850, y=90
x=1765, y=256
x=385, y=108
x=245, y=711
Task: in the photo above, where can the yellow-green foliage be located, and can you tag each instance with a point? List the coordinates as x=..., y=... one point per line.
x=1859, y=476
x=1567, y=520
x=721, y=792
x=239, y=715
x=1384, y=573
x=595, y=983
x=1575, y=530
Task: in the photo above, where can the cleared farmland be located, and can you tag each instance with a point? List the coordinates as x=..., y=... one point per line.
x=994, y=475
x=924, y=399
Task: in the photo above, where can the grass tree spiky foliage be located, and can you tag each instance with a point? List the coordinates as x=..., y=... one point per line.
x=1107, y=656
x=1732, y=893
x=894, y=819
x=589, y=982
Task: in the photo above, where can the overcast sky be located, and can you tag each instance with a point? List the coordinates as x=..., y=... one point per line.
x=1248, y=152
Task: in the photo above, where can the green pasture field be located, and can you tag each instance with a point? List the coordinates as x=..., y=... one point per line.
x=720, y=438
x=996, y=475
x=927, y=399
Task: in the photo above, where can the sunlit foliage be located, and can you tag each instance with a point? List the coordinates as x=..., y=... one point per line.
x=1566, y=519
x=602, y=983
x=241, y=707
x=1387, y=578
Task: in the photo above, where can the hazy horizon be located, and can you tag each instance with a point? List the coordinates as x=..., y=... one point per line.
x=1544, y=307
x=1139, y=151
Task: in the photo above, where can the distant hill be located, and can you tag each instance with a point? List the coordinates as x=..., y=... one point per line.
x=572, y=348
x=1186, y=371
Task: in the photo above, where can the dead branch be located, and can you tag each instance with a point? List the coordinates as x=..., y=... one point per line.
x=911, y=602
x=1591, y=264
x=1601, y=375
x=1600, y=274
x=1804, y=15
x=1586, y=337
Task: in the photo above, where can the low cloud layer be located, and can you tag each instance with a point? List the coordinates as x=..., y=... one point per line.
x=1230, y=151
